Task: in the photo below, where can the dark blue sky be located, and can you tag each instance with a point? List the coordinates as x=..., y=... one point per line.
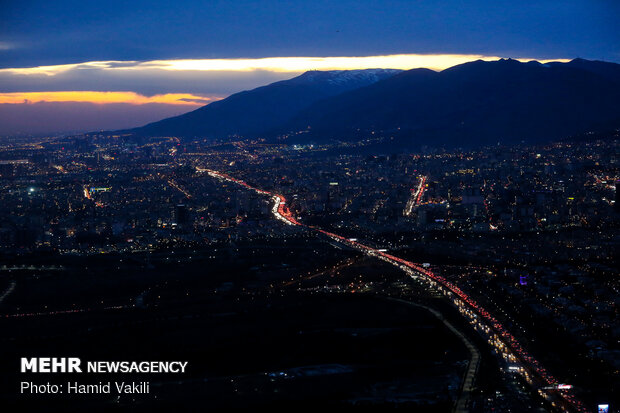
x=35, y=32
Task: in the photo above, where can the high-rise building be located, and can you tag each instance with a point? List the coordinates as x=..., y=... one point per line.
x=180, y=215
x=617, y=200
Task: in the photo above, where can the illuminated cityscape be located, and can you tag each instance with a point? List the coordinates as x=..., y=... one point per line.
x=351, y=205
x=519, y=241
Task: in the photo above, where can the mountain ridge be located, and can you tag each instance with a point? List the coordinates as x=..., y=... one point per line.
x=264, y=108
x=472, y=104
x=476, y=103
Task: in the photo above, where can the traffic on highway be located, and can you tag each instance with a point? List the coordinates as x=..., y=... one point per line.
x=517, y=359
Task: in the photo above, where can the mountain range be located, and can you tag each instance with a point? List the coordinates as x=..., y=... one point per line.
x=472, y=104
x=266, y=108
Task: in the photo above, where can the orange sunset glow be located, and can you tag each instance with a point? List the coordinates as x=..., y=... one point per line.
x=186, y=99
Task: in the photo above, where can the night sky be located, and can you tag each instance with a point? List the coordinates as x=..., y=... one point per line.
x=130, y=35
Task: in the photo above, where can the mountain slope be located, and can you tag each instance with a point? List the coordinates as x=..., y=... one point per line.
x=608, y=70
x=254, y=112
x=473, y=104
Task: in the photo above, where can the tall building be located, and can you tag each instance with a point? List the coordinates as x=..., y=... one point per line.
x=617, y=201
x=334, y=200
x=180, y=215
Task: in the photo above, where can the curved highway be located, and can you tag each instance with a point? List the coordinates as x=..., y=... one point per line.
x=504, y=343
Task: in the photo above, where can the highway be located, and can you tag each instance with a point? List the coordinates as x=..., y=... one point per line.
x=502, y=341
x=8, y=291
x=463, y=403
x=178, y=187
x=416, y=197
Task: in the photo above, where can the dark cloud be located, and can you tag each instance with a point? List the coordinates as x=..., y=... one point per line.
x=147, y=82
x=42, y=32
x=199, y=101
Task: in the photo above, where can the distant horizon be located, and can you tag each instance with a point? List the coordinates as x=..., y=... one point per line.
x=55, y=109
